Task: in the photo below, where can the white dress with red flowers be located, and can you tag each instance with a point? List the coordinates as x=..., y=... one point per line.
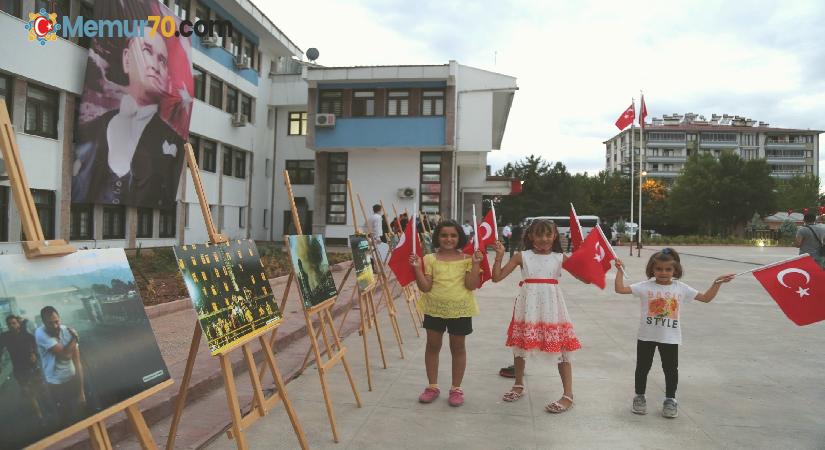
x=540, y=323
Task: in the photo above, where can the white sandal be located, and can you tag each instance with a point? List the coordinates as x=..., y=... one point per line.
x=558, y=408
x=512, y=395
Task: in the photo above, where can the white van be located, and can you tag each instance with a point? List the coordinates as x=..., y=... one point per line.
x=563, y=223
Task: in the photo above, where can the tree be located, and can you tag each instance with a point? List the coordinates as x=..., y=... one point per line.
x=798, y=192
x=692, y=199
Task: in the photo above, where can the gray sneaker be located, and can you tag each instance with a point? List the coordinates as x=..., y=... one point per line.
x=639, y=405
x=669, y=408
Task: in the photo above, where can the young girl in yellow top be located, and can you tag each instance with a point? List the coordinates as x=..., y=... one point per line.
x=447, y=280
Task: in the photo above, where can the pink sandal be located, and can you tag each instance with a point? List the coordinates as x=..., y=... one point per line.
x=512, y=395
x=456, y=397
x=558, y=408
x=429, y=395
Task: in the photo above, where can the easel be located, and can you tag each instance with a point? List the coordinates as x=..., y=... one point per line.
x=261, y=404
x=324, y=312
x=38, y=246
x=407, y=291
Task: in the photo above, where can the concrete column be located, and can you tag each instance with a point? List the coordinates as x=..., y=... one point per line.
x=64, y=207
x=312, y=101
x=319, y=213
x=415, y=102
x=346, y=100
x=97, y=222
x=131, y=227
x=449, y=116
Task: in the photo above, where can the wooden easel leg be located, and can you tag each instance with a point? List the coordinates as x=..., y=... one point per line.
x=323, y=377
x=374, y=316
x=274, y=335
x=281, y=387
x=232, y=401
x=99, y=437
x=413, y=315
x=394, y=322
x=343, y=358
x=141, y=430
x=255, y=380
x=184, y=385
x=364, y=314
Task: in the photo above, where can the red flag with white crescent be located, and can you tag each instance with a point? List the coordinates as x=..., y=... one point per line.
x=400, y=259
x=798, y=287
x=576, y=235
x=591, y=261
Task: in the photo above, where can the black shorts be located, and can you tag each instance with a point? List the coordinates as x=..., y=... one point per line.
x=461, y=326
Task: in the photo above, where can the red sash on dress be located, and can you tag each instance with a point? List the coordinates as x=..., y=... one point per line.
x=538, y=281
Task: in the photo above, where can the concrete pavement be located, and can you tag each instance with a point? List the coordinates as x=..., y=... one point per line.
x=749, y=377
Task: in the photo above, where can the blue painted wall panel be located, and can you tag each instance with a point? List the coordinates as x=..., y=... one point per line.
x=382, y=132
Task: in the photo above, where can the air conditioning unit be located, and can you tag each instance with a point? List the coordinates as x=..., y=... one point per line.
x=325, y=120
x=209, y=41
x=242, y=62
x=406, y=192
x=239, y=120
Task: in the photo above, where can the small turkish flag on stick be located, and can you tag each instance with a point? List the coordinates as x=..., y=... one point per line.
x=797, y=286
x=591, y=261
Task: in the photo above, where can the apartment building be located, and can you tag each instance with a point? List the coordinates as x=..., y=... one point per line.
x=671, y=139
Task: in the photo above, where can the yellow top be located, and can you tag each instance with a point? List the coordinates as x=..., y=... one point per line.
x=448, y=298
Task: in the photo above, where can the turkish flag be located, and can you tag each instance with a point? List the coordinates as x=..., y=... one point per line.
x=400, y=258
x=486, y=237
x=798, y=287
x=575, y=229
x=592, y=260
x=627, y=117
x=642, y=113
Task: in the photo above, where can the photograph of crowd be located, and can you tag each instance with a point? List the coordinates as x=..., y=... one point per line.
x=311, y=268
x=360, y=247
x=229, y=290
x=74, y=340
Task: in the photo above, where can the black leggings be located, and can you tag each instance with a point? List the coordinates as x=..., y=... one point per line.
x=669, y=353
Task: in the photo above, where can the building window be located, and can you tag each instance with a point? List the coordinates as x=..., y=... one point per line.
x=297, y=124
x=239, y=157
x=11, y=7
x=6, y=91
x=4, y=213
x=201, y=13
x=430, y=197
x=144, y=222
x=82, y=216
x=179, y=7
x=41, y=111
x=398, y=103
x=114, y=220
x=195, y=141
x=246, y=107
x=227, y=160
x=220, y=34
x=432, y=103
x=231, y=99
x=167, y=223
x=717, y=137
x=248, y=49
x=209, y=160
x=241, y=217
x=199, y=77
x=301, y=171
x=266, y=219
x=86, y=10
x=44, y=204
x=363, y=103
x=337, y=189
x=61, y=7
x=331, y=103
x=216, y=92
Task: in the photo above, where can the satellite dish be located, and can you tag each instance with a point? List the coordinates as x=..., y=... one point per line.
x=313, y=54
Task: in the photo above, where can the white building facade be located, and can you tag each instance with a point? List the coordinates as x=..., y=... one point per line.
x=670, y=140
x=253, y=116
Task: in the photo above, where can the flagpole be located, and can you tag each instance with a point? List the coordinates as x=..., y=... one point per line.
x=609, y=247
x=632, y=166
x=495, y=221
x=475, y=229
x=414, y=230
x=641, y=169
x=773, y=264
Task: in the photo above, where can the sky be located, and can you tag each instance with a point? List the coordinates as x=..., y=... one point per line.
x=579, y=64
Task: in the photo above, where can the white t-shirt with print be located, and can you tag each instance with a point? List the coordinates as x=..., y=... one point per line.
x=660, y=305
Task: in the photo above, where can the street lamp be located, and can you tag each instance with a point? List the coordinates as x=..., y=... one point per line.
x=642, y=174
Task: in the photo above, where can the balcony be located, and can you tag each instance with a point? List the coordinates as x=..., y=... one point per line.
x=789, y=145
x=670, y=144
x=662, y=174
x=785, y=174
x=719, y=144
x=665, y=159
x=785, y=160
x=378, y=132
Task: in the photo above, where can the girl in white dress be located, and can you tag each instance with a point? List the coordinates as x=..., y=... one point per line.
x=540, y=323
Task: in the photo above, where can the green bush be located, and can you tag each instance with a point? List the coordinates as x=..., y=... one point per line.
x=715, y=240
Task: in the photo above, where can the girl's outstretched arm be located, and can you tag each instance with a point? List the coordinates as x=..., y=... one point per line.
x=708, y=295
x=619, y=283
x=425, y=283
x=500, y=273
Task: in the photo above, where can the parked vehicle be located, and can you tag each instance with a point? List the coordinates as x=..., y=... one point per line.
x=563, y=223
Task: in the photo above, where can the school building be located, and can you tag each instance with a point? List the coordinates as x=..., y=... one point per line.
x=671, y=139
x=402, y=134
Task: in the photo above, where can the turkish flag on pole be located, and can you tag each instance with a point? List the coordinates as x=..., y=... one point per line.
x=592, y=260
x=400, y=258
x=486, y=237
x=642, y=113
x=575, y=229
x=627, y=117
x=797, y=286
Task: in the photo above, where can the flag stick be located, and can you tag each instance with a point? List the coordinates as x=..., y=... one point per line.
x=495, y=220
x=414, y=230
x=609, y=246
x=772, y=264
x=475, y=229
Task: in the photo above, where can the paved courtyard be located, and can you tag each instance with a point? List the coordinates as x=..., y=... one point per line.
x=749, y=377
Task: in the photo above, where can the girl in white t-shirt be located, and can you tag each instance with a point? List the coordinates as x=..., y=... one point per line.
x=662, y=296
